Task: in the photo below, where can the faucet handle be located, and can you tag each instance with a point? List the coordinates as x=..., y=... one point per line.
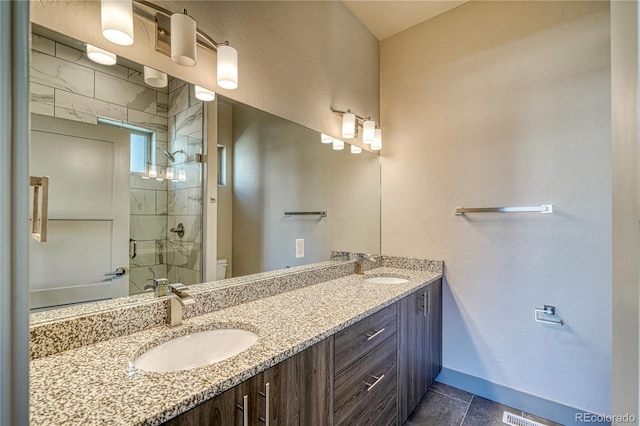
x=177, y=286
x=159, y=286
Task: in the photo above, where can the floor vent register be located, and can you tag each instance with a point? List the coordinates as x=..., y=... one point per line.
x=515, y=420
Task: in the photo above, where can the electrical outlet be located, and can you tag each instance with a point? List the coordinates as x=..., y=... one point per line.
x=299, y=248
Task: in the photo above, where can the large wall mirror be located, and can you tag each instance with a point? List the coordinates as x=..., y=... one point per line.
x=136, y=172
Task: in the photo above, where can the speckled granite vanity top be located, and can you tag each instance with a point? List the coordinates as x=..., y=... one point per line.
x=95, y=384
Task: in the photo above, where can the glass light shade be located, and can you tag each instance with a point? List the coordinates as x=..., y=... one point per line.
x=100, y=56
x=368, y=131
x=204, y=94
x=155, y=78
x=325, y=138
x=169, y=173
x=355, y=149
x=338, y=144
x=183, y=39
x=117, y=21
x=227, y=67
x=182, y=175
x=153, y=171
x=377, y=140
x=348, y=125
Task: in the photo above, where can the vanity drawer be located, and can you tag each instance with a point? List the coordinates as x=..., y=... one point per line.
x=358, y=339
x=362, y=389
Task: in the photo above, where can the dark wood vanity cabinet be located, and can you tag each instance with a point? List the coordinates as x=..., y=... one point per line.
x=297, y=391
x=373, y=372
x=419, y=346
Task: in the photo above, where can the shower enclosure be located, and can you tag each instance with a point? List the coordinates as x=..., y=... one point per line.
x=125, y=178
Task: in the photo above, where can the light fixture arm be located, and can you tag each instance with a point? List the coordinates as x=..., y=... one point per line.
x=359, y=119
x=204, y=39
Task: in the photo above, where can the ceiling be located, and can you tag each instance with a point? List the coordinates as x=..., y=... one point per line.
x=385, y=18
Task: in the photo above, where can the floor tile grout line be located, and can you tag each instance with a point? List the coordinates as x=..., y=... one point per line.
x=452, y=397
x=467, y=410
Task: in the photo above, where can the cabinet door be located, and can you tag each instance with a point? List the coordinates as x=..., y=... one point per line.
x=413, y=369
x=434, y=330
x=301, y=388
x=219, y=411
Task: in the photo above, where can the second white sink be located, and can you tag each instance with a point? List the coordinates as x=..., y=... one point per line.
x=386, y=280
x=196, y=350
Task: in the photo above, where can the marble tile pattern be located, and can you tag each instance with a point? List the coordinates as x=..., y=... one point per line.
x=97, y=385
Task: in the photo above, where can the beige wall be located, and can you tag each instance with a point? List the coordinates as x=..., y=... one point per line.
x=507, y=103
x=626, y=190
x=296, y=59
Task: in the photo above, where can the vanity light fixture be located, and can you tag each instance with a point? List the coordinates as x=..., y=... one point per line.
x=155, y=78
x=349, y=125
x=182, y=175
x=169, y=173
x=153, y=171
x=183, y=39
x=177, y=36
x=376, y=145
x=325, y=138
x=227, y=67
x=100, y=56
x=338, y=144
x=204, y=95
x=356, y=149
x=368, y=130
x=117, y=21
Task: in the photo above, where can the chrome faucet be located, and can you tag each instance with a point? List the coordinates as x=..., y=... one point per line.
x=360, y=259
x=159, y=286
x=177, y=299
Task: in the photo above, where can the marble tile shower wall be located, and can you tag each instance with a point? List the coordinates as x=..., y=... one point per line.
x=66, y=84
x=185, y=198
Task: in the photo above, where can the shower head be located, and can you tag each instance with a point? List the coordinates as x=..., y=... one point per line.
x=171, y=155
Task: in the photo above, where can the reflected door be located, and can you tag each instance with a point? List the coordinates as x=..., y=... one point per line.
x=87, y=246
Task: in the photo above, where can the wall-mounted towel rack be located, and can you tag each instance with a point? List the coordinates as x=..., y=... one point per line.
x=545, y=208
x=547, y=310
x=320, y=213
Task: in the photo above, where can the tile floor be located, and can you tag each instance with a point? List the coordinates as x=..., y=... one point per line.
x=447, y=406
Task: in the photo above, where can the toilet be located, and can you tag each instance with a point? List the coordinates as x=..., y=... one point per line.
x=221, y=269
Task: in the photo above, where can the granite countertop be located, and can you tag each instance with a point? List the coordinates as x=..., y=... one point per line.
x=97, y=385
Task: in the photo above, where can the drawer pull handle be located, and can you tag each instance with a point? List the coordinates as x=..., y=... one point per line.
x=245, y=410
x=374, y=334
x=371, y=385
x=267, y=404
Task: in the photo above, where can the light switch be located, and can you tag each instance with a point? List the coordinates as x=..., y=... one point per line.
x=299, y=248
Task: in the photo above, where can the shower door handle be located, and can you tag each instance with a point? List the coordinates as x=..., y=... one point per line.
x=120, y=271
x=40, y=207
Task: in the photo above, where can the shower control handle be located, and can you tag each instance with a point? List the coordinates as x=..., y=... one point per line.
x=178, y=230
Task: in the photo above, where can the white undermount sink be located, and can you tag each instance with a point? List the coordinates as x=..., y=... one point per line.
x=196, y=350
x=383, y=279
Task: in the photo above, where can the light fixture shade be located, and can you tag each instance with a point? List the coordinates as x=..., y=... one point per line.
x=155, y=78
x=377, y=140
x=348, y=125
x=182, y=175
x=355, y=149
x=169, y=173
x=153, y=171
x=204, y=94
x=368, y=131
x=183, y=39
x=100, y=56
x=227, y=67
x=325, y=138
x=117, y=21
x=338, y=144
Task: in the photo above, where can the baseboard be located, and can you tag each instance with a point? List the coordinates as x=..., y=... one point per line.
x=522, y=401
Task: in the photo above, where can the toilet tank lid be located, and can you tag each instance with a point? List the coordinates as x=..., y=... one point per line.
x=221, y=261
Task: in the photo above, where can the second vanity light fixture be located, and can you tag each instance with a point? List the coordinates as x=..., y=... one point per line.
x=182, y=34
x=371, y=135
